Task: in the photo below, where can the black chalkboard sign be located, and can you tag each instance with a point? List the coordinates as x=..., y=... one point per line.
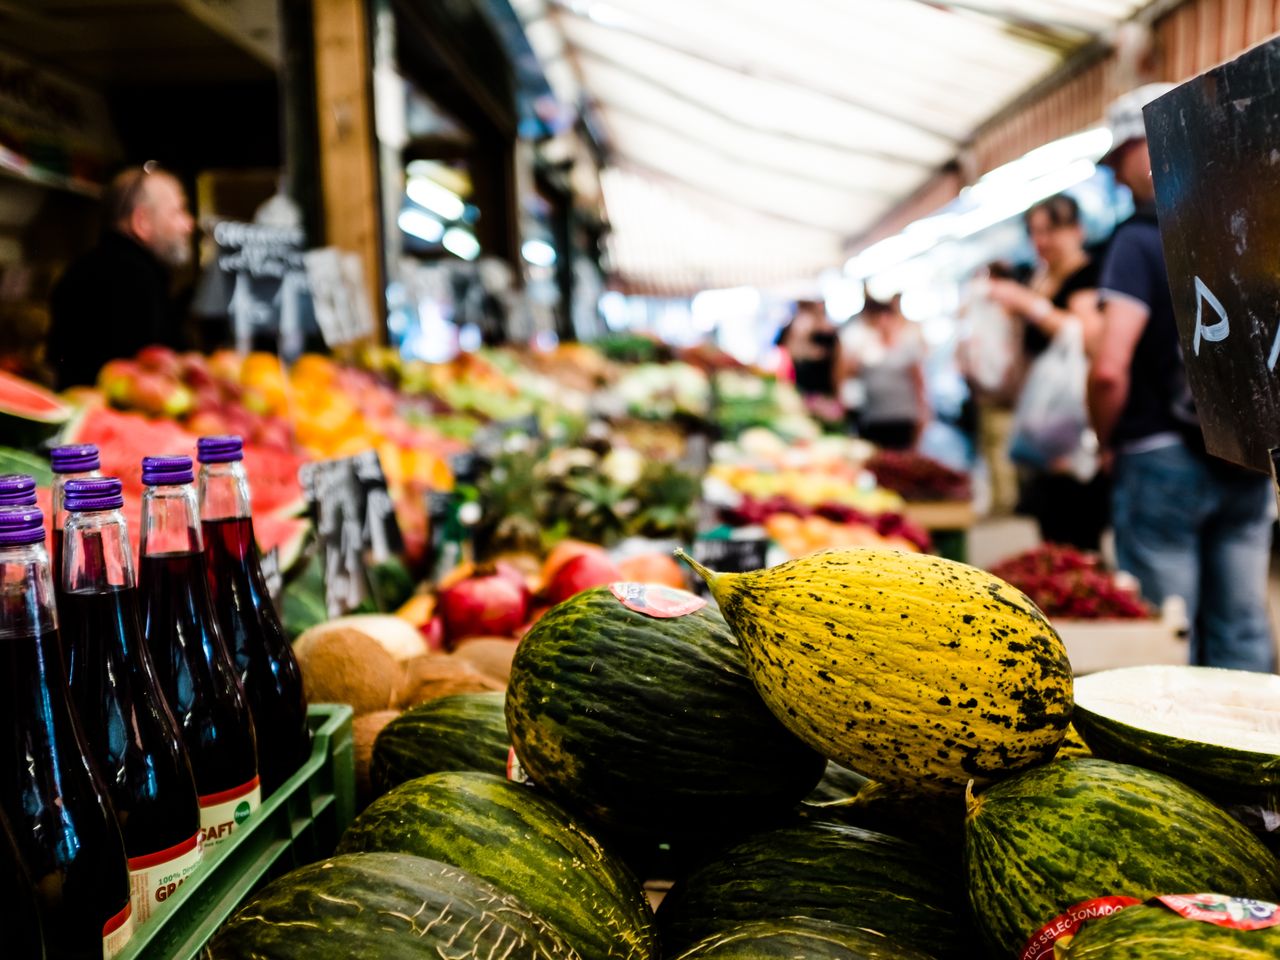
x=355, y=524
x=729, y=555
x=1215, y=152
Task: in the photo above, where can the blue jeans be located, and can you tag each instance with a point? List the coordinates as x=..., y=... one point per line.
x=1185, y=529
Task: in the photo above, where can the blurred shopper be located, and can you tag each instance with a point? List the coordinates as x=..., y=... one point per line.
x=810, y=344
x=990, y=363
x=116, y=298
x=1068, y=496
x=883, y=375
x=1186, y=524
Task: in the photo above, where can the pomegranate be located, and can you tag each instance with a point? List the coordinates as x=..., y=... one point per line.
x=433, y=632
x=583, y=572
x=489, y=603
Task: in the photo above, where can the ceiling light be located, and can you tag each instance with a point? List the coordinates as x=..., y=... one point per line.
x=439, y=200
x=539, y=253
x=422, y=225
x=461, y=243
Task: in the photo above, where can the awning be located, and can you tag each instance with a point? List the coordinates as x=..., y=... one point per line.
x=749, y=140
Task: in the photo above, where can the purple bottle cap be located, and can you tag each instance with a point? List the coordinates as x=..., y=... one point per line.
x=166, y=471
x=21, y=525
x=93, y=493
x=77, y=458
x=225, y=449
x=17, y=490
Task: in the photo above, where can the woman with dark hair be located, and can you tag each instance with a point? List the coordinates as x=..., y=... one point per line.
x=809, y=341
x=1063, y=289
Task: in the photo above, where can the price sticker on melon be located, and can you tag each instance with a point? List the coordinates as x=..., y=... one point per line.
x=1234, y=913
x=656, y=600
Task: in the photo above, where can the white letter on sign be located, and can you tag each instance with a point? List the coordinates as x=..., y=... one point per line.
x=1215, y=332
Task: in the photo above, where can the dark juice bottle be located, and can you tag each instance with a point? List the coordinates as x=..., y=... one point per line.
x=22, y=935
x=133, y=740
x=73, y=462
x=190, y=660
x=17, y=490
x=248, y=621
x=62, y=821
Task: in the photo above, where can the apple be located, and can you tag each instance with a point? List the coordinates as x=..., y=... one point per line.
x=160, y=359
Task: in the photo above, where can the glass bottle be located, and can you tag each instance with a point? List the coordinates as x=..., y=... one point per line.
x=62, y=820
x=247, y=619
x=196, y=676
x=132, y=738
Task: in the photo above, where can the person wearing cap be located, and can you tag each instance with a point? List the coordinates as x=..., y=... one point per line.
x=116, y=299
x=1186, y=524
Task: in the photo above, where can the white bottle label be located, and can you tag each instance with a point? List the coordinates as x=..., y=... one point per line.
x=221, y=813
x=117, y=932
x=154, y=877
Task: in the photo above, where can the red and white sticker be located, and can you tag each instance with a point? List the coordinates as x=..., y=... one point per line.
x=656, y=600
x=1040, y=946
x=515, y=771
x=1231, y=912
x=154, y=878
x=221, y=813
x=117, y=932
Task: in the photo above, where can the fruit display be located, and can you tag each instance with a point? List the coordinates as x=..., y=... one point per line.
x=913, y=670
x=1077, y=830
x=385, y=905
x=801, y=529
x=798, y=937
x=1215, y=730
x=501, y=832
x=917, y=477
x=467, y=731
x=826, y=871
x=1067, y=583
x=711, y=753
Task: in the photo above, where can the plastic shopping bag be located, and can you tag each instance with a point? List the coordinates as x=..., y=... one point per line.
x=1050, y=421
x=990, y=345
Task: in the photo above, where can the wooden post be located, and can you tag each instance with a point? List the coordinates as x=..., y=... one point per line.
x=348, y=154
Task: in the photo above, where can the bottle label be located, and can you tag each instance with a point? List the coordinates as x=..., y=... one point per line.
x=153, y=878
x=117, y=932
x=656, y=600
x=1040, y=946
x=222, y=813
x=1231, y=912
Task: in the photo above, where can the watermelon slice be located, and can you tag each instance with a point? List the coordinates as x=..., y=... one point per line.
x=29, y=414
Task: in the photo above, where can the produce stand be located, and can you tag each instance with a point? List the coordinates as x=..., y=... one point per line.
x=1096, y=645
x=948, y=523
x=299, y=824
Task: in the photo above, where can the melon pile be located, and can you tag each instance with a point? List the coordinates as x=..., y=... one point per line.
x=858, y=755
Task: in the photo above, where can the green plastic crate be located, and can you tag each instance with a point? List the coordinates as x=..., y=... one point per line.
x=299, y=824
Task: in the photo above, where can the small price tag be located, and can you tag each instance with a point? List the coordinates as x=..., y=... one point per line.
x=1221, y=911
x=270, y=563
x=656, y=600
x=730, y=555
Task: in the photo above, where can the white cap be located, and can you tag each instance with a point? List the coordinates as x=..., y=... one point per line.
x=1124, y=116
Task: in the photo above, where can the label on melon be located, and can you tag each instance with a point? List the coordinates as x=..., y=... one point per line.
x=656, y=600
x=515, y=770
x=1231, y=912
x=1040, y=946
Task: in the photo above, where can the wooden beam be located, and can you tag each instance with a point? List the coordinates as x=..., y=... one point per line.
x=348, y=154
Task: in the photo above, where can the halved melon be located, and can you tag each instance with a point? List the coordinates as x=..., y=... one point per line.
x=28, y=412
x=1216, y=730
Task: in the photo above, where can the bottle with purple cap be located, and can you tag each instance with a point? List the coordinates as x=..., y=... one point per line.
x=196, y=675
x=62, y=820
x=17, y=490
x=132, y=737
x=248, y=621
x=72, y=462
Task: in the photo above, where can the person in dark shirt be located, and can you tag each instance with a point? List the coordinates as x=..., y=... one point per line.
x=1186, y=524
x=115, y=299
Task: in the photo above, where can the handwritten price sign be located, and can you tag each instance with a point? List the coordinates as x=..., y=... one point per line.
x=1215, y=158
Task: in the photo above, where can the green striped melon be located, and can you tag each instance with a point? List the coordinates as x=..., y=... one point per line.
x=1074, y=830
x=523, y=843
x=385, y=906
x=651, y=726
x=826, y=871
x=467, y=731
x=1216, y=730
x=799, y=937
x=1149, y=932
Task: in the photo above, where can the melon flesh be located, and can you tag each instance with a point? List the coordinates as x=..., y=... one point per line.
x=1224, y=708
